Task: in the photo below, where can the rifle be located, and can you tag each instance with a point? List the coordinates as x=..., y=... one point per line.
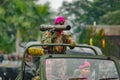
x=44, y=27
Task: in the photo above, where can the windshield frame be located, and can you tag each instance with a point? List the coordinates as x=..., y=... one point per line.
x=43, y=60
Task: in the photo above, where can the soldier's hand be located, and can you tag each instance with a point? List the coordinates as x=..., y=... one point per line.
x=72, y=45
x=36, y=78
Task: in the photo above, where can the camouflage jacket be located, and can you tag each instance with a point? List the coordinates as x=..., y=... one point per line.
x=57, y=38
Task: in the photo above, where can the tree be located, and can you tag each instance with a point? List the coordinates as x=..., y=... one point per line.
x=86, y=12
x=111, y=18
x=22, y=15
x=103, y=9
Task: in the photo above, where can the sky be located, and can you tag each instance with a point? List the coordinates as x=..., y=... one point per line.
x=54, y=4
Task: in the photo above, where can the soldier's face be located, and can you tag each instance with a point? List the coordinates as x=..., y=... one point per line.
x=61, y=23
x=85, y=71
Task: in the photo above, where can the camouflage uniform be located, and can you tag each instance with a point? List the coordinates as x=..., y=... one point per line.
x=57, y=38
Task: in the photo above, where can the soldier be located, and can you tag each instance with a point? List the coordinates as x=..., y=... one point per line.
x=58, y=37
x=83, y=71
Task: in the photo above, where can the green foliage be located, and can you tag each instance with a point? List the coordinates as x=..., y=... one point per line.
x=111, y=18
x=106, y=8
x=79, y=11
x=24, y=15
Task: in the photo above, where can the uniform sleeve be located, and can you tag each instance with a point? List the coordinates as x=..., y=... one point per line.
x=46, y=37
x=70, y=41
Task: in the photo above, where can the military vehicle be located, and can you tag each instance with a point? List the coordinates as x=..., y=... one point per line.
x=37, y=65
x=9, y=69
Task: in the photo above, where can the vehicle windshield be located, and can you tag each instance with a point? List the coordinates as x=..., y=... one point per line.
x=80, y=69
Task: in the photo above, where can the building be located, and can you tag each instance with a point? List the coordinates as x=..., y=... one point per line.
x=112, y=32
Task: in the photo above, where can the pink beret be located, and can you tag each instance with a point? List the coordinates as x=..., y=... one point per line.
x=85, y=65
x=59, y=19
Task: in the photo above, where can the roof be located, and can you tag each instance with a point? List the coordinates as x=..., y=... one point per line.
x=110, y=30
